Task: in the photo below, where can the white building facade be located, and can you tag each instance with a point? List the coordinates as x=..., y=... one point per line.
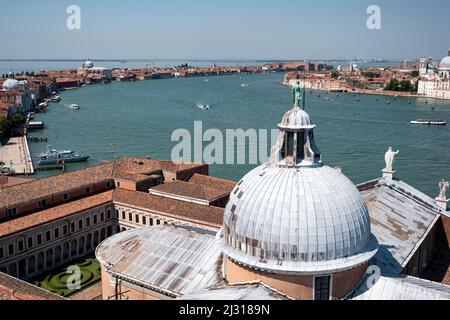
x=435, y=82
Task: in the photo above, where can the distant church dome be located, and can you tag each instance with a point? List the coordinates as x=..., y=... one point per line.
x=10, y=84
x=88, y=64
x=294, y=215
x=445, y=63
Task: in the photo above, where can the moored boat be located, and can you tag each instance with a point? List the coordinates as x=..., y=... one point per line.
x=52, y=156
x=55, y=99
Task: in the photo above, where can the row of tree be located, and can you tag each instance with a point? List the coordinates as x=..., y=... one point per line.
x=401, y=86
x=27, y=73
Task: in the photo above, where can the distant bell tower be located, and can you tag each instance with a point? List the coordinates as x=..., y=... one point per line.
x=424, y=67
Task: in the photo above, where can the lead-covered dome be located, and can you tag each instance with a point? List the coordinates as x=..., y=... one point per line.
x=296, y=215
x=88, y=64
x=10, y=84
x=445, y=63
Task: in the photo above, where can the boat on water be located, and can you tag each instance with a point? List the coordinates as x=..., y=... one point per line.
x=52, y=156
x=43, y=105
x=203, y=106
x=429, y=122
x=74, y=106
x=55, y=99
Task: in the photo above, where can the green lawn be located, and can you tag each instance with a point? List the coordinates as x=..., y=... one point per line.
x=56, y=281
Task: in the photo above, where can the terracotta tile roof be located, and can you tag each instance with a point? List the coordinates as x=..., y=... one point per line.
x=136, y=169
x=133, y=169
x=39, y=188
x=200, y=214
x=225, y=185
x=14, y=289
x=5, y=105
x=191, y=190
x=6, y=181
x=55, y=213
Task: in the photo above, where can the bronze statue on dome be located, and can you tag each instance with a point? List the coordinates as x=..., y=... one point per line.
x=298, y=94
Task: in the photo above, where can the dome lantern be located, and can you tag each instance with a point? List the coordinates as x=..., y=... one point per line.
x=296, y=146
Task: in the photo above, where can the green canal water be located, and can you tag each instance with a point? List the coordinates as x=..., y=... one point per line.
x=138, y=118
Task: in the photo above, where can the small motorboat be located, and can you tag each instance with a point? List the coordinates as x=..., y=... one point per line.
x=429, y=122
x=203, y=106
x=74, y=106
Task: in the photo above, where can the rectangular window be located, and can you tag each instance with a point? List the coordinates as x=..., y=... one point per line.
x=130, y=216
x=123, y=215
x=118, y=184
x=12, y=212
x=48, y=236
x=2, y=254
x=322, y=288
x=30, y=242
x=108, y=214
x=64, y=230
x=11, y=249
x=144, y=220
x=72, y=227
x=116, y=214
x=80, y=224
x=158, y=222
x=108, y=184
x=151, y=222
x=66, y=197
x=88, y=222
x=42, y=203
x=95, y=219
x=21, y=246
x=56, y=233
x=102, y=216
x=39, y=239
x=136, y=217
x=88, y=190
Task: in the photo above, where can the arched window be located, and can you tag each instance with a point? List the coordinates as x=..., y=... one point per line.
x=31, y=265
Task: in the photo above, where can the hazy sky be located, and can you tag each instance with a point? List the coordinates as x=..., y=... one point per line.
x=226, y=29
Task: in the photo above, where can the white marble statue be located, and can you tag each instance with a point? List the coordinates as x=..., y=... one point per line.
x=443, y=185
x=389, y=157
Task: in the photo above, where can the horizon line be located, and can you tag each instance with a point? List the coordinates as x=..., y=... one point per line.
x=208, y=59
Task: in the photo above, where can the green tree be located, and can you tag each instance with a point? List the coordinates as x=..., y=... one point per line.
x=18, y=118
x=4, y=128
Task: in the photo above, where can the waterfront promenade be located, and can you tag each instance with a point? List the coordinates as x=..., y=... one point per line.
x=17, y=155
